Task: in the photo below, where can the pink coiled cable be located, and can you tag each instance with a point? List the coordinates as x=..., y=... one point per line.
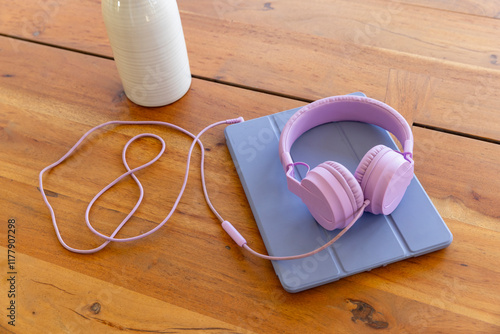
x=227, y=226
x=131, y=173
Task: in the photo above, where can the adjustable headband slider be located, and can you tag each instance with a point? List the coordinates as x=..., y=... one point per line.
x=286, y=160
x=408, y=147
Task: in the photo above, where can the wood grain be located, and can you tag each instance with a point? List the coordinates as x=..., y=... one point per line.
x=463, y=95
x=485, y=8
x=433, y=32
x=408, y=93
x=435, y=62
x=190, y=274
x=95, y=305
x=437, y=31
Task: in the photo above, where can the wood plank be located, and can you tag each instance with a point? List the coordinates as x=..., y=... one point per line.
x=43, y=112
x=408, y=93
x=455, y=36
x=48, y=299
x=392, y=25
x=486, y=8
x=472, y=185
x=461, y=98
x=442, y=285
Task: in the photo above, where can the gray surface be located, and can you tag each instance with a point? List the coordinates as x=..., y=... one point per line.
x=288, y=228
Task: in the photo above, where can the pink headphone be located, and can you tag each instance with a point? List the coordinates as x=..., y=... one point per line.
x=335, y=197
x=331, y=193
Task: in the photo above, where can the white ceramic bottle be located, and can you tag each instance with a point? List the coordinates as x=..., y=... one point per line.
x=148, y=45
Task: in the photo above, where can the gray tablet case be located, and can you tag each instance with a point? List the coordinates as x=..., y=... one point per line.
x=287, y=227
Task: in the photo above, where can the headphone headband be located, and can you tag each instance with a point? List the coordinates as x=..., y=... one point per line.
x=343, y=108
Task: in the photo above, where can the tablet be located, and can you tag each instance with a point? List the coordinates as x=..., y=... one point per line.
x=287, y=227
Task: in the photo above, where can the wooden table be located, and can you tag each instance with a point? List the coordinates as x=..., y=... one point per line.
x=436, y=62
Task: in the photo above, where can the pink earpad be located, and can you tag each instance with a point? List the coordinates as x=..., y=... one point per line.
x=331, y=194
x=384, y=175
x=352, y=185
x=365, y=162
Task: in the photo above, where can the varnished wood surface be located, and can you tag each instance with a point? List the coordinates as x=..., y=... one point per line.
x=434, y=62
x=310, y=61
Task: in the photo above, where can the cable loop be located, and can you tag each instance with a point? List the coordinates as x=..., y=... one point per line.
x=131, y=173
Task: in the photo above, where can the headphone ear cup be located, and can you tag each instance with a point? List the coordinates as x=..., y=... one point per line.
x=331, y=194
x=365, y=162
x=351, y=186
x=384, y=175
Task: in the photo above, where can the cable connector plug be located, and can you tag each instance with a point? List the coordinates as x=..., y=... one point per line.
x=235, y=120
